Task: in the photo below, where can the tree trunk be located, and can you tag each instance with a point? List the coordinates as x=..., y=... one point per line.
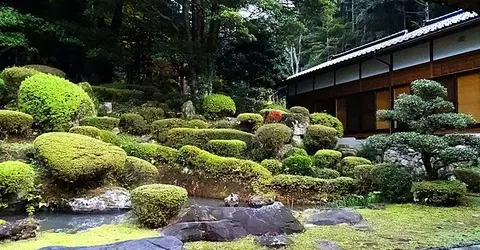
x=432, y=173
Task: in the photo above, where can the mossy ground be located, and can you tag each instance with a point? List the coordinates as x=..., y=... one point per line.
x=397, y=227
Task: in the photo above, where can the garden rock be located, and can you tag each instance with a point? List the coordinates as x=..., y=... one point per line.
x=188, y=109
x=156, y=243
x=109, y=200
x=274, y=241
x=229, y=223
x=327, y=245
x=337, y=216
x=406, y=157
x=257, y=201
x=231, y=200
x=19, y=230
x=108, y=107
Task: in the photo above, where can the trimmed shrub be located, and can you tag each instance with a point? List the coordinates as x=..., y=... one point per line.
x=250, y=122
x=136, y=172
x=364, y=176
x=110, y=137
x=53, y=102
x=350, y=162
x=394, y=182
x=326, y=158
x=179, y=137
x=327, y=120
x=16, y=179
x=87, y=88
x=75, y=158
x=46, y=69
x=218, y=106
x=319, y=137
x=117, y=95
x=13, y=122
x=300, y=110
x=223, y=167
x=106, y=123
x=272, y=137
x=161, y=127
x=274, y=166
x=150, y=152
x=470, y=176
x=133, y=124
x=439, y=193
x=326, y=173
x=3, y=93
x=17, y=151
x=197, y=117
x=155, y=204
x=227, y=148
x=12, y=78
x=151, y=114
x=195, y=123
x=224, y=123
x=86, y=130
x=298, y=165
x=295, y=151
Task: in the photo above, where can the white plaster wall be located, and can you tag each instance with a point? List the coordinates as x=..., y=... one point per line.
x=348, y=74
x=411, y=56
x=324, y=80
x=305, y=86
x=375, y=67
x=457, y=43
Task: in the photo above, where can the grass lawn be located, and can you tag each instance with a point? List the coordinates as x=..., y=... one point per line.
x=397, y=227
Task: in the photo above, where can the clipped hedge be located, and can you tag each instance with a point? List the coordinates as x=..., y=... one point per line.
x=106, y=123
x=179, y=137
x=350, y=162
x=87, y=88
x=74, y=158
x=218, y=106
x=133, y=124
x=151, y=152
x=53, y=102
x=136, y=172
x=274, y=166
x=12, y=78
x=307, y=189
x=326, y=158
x=319, y=137
x=326, y=173
x=227, y=148
x=161, y=127
x=155, y=204
x=394, y=182
x=106, y=94
x=439, y=193
x=300, y=110
x=16, y=179
x=151, y=114
x=249, y=122
x=86, y=130
x=13, y=122
x=46, y=69
x=295, y=151
x=470, y=176
x=298, y=165
x=272, y=137
x=327, y=120
x=364, y=176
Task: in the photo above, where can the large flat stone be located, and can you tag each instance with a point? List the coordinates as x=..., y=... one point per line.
x=156, y=243
x=336, y=216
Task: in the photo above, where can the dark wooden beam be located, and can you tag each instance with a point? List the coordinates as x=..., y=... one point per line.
x=464, y=4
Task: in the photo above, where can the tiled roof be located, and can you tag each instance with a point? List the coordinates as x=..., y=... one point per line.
x=401, y=37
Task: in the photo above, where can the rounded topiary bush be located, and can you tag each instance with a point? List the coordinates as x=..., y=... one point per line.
x=218, y=106
x=155, y=204
x=197, y=123
x=53, y=102
x=227, y=148
x=86, y=130
x=298, y=165
x=319, y=137
x=161, y=127
x=439, y=193
x=106, y=123
x=393, y=181
x=150, y=152
x=151, y=114
x=136, y=172
x=470, y=176
x=13, y=122
x=326, y=158
x=364, y=176
x=350, y=162
x=274, y=166
x=272, y=137
x=16, y=179
x=46, y=69
x=326, y=173
x=12, y=78
x=75, y=158
x=300, y=110
x=87, y=88
x=249, y=122
x=295, y=151
x=327, y=120
x=133, y=124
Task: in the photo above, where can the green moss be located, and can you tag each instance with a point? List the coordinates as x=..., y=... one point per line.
x=327, y=120
x=13, y=122
x=155, y=204
x=53, y=102
x=2, y=222
x=151, y=152
x=106, y=123
x=439, y=193
x=133, y=124
x=326, y=158
x=77, y=158
x=46, y=69
x=319, y=137
x=218, y=106
x=136, y=172
x=274, y=166
x=179, y=137
x=350, y=162
x=227, y=148
x=249, y=122
x=16, y=178
x=86, y=130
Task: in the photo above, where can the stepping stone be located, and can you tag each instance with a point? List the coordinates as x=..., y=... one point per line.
x=155, y=243
x=327, y=245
